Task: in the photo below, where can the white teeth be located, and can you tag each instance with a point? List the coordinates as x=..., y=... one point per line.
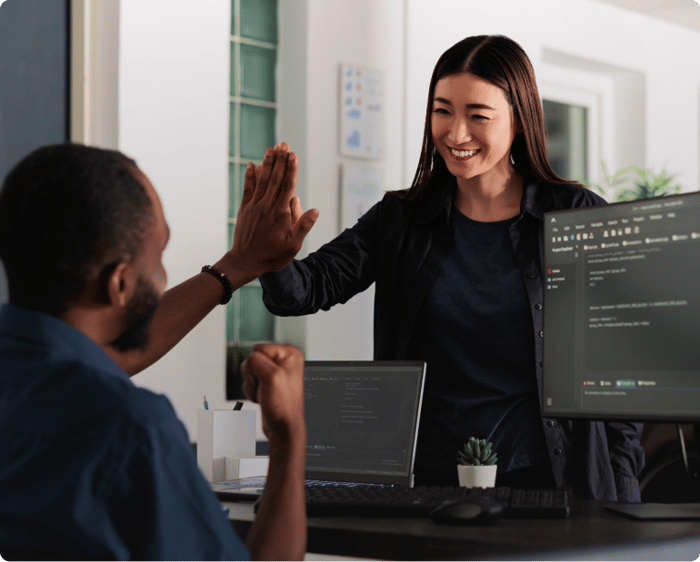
x=463, y=153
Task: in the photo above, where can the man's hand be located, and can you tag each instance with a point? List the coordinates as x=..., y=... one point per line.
x=273, y=376
x=270, y=226
x=270, y=230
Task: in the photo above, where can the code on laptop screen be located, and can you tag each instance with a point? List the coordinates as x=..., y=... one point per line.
x=362, y=418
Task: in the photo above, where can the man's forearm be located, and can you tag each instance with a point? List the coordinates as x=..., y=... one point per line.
x=181, y=309
x=279, y=530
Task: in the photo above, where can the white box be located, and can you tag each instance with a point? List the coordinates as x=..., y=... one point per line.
x=246, y=467
x=222, y=434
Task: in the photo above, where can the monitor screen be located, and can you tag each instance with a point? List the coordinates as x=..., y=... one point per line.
x=622, y=311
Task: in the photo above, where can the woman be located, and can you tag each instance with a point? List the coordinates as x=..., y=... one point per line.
x=457, y=262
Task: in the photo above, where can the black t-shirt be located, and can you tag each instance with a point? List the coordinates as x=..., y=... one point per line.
x=474, y=330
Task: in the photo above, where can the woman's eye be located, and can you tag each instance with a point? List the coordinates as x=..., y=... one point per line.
x=480, y=117
x=440, y=110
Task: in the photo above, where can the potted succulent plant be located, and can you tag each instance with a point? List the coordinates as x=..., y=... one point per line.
x=476, y=466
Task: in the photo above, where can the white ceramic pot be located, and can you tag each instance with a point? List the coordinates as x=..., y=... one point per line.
x=483, y=476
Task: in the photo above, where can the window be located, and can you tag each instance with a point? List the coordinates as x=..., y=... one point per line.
x=572, y=116
x=567, y=146
x=253, y=112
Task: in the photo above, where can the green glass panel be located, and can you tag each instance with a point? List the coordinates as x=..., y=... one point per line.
x=232, y=130
x=234, y=63
x=257, y=130
x=234, y=199
x=258, y=72
x=259, y=20
x=256, y=321
x=233, y=190
x=230, y=322
x=241, y=171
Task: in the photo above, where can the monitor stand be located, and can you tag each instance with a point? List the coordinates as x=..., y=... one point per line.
x=657, y=510
x=668, y=511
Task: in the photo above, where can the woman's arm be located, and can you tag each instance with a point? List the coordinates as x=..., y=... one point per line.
x=332, y=275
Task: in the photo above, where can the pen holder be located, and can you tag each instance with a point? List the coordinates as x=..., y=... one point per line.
x=223, y=434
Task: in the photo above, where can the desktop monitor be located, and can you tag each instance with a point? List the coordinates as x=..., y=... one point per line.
x=622, y=311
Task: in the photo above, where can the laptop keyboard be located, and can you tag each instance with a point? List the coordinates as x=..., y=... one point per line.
x=401, y=501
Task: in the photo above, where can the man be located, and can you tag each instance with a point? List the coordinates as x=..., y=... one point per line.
x=92, y=466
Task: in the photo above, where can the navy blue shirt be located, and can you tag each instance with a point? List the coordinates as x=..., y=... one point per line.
x=91, y=466
x=474, y=330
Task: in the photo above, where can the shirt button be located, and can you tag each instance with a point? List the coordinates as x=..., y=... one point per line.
x=531, y=275
x=557, y=451
x=550, y=423
x=538, y=306
x=541, y=334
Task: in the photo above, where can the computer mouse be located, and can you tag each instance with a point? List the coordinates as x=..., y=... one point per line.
x=468, y=511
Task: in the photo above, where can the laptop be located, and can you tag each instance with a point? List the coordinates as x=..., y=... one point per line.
x=362, y=425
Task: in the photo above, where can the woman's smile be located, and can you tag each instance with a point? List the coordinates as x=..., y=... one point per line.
x=463, y=155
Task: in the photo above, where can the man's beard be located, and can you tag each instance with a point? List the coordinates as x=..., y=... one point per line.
x=139, y=314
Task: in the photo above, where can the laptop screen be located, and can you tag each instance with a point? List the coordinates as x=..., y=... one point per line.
x=362, y=419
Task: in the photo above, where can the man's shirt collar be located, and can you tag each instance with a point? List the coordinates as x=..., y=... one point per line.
x=63, y=339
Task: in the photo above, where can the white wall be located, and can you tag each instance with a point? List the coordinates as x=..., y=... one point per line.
x=173, y=119
x=364, y=32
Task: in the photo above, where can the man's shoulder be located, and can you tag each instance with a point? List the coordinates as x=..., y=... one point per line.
x=64, y=390
x=47, y=360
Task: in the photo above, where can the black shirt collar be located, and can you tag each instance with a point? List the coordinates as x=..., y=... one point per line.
x=438, y=198
x=531, y=200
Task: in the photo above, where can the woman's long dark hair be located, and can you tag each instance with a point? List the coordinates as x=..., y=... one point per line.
x=502, y=62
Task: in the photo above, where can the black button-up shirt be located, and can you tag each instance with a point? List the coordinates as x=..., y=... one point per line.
x=399, y=244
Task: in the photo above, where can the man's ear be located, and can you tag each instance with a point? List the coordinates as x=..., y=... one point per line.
x=121, y=284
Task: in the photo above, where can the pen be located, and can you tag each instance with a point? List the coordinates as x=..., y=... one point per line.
x=206, y=404
x=238, y=405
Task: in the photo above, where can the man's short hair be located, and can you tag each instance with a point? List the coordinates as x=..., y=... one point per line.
x=69, y=214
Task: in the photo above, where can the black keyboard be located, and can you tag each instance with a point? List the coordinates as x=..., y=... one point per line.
x=401, y=501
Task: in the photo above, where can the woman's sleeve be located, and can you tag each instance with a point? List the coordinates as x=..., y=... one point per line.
x=626, y=457
x=333, y=274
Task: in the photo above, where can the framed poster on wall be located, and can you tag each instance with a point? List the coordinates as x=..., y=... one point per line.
x=361, y=108
x=361, y=187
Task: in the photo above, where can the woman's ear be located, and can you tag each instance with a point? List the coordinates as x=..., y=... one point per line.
x=121, y=284
x=518, y=125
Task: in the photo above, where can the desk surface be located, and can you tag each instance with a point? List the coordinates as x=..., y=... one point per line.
x=590, y=532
